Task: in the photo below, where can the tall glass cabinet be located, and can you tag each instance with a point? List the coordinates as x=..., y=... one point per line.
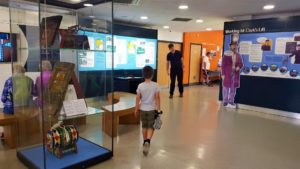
x=62, y=77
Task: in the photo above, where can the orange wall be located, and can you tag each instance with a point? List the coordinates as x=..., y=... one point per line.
x=209, y=40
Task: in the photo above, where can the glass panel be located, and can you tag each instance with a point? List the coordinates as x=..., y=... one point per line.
x=95, y=72
x=79, y=86
x=65, y=109
x=24, y=26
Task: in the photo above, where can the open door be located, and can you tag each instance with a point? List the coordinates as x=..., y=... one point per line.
x=162, y=77
x=195, y=64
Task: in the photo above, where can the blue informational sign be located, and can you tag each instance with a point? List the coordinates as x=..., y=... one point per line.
x=274, y=54
x=130, y=53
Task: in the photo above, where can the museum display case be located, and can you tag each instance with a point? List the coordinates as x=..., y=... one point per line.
x=58, y=126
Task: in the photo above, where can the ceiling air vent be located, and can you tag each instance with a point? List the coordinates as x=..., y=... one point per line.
x=181, y=19
x=128, y=2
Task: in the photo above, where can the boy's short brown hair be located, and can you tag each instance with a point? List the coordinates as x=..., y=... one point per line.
x=148, y=72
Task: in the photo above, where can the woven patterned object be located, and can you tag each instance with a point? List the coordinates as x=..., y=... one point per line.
x=62, y=139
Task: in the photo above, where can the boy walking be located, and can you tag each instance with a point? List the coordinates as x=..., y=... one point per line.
x=147, y=102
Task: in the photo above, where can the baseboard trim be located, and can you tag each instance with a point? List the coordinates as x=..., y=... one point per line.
x=292, y=115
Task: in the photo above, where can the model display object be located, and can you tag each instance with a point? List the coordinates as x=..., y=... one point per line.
x=62, y=139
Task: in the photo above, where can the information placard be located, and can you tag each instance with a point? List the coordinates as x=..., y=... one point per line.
x=74, y=107
x=275, y=54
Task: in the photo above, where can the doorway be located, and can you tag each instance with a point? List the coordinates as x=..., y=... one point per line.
x=195, y=64
x=162, y=77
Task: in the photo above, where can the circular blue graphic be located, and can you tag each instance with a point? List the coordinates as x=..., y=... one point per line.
x=283, y=70
x=246, y=70
x=273, y=68
x=264, y=67
x=255, y=68
x=294, y=73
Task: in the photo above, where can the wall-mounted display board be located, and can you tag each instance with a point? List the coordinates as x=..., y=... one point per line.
x=270, y=49
x=272, y=54
x=130, y=53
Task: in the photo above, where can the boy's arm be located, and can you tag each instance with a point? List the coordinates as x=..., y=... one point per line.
x=137, y=104
x=157, y=100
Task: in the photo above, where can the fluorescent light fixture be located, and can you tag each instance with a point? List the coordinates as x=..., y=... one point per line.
x=92, y=16
x=166, y=27
x=209, y=29
x=183, y=7
x=88, y=5
x=269, y=7
x=144, y=17
x=75, y=0
x=199, y=21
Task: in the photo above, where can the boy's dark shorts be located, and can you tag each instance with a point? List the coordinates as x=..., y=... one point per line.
x=147, y=118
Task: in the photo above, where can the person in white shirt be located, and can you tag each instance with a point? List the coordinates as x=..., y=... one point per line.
x=206, y=69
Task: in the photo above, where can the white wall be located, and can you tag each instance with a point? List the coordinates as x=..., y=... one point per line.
x=166, y=35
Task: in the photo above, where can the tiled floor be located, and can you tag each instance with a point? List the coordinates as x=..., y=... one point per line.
x=199, y=134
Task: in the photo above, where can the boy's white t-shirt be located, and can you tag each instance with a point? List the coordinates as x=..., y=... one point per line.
x=148, y=91
x=207, y=62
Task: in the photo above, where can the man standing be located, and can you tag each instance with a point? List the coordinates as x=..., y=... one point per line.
x=174, y=58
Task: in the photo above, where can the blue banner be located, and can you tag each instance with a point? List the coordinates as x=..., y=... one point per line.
x=274, y=54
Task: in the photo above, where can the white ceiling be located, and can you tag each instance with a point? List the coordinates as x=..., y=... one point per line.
x=213, y=12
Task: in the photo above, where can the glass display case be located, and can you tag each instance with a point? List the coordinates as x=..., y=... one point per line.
x=58, y=91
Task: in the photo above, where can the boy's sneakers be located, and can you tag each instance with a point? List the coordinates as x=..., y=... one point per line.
x=181, y=95
x=146, y=148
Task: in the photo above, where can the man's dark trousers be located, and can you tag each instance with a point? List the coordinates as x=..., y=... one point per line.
x=179, y=74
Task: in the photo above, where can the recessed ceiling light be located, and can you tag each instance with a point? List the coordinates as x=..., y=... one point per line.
x=144, y=17
x=88, y=5
x=269, y=7
x=183, y=7
x=166, y=27
x=208, y=29
x=199, y=21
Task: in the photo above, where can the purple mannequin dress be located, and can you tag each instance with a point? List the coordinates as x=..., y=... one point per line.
x=232, y=77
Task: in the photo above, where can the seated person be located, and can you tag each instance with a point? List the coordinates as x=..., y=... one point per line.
x=17, y=90
x=22, y=87
x=46, y=74
x=7, y=97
